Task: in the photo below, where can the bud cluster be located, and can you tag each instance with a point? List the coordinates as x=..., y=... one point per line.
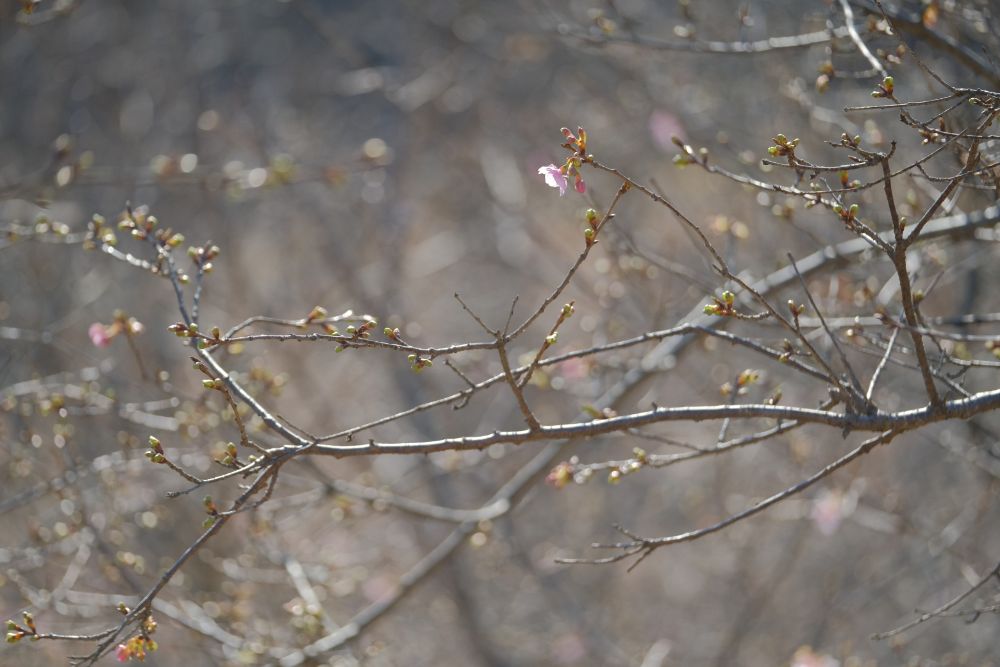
x=359, y=332
x=231, y=458
x=722, y=307
x=142, y=225
x=140, y=645
x=99, y=233
x=16, y=632
x=783, y=146
x=211, y=509
x=847, y=215
x=637, y=462
x=419, y=363
x=155, y=451
x=885, y=88
x=202, y=256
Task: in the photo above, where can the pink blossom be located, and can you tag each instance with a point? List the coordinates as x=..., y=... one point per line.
x=663, y=127
x=99, y=335
x=574, y=369
x=554, y=178
x=569, y=649
x=561, y=475
x=806, y=657
x=122, y=653
x=829, y=509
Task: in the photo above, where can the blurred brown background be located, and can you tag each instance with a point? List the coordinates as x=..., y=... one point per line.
x=380, y=156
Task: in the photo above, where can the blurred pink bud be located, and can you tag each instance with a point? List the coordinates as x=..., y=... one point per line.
x=806, y=657
x=569, y=649
x=554, y=178
x=829, y=509
x=663, y=127
x=99, y=335
x=122, y=653
x=560, y=476
x=580, y=186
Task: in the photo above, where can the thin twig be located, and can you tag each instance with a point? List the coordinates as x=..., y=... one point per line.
x=926, y=616
x=845, y=5
x=822, y=320
x=881, y=365
x=645, y=546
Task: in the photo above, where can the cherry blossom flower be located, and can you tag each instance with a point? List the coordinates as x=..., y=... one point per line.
x=99, y=335
x=122, y=653
x=554, y=178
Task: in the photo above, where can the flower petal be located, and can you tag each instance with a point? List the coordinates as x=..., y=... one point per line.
x=554, y=177
x=99, y=335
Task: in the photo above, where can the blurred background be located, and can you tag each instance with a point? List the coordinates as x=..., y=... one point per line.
x=379, y=157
